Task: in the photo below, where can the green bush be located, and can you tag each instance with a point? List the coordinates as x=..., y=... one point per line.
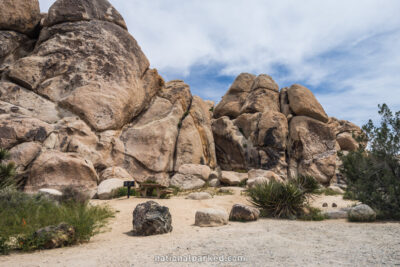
x=7, y=171
x=71, y=194
x=281, y=200
x=373, y=172
x=312, y=214
x=307, y=183
x=22, y=215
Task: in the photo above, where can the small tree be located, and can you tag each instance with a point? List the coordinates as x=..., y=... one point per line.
x=7, y=170
x=373, y=172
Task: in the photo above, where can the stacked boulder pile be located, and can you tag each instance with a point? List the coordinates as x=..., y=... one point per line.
x=78, y=101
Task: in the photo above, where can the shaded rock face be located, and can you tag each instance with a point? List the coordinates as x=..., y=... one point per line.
x=151, y=219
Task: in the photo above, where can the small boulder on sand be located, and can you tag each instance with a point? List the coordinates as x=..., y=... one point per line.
x=211, y=217
x=150, y=218
x=107, y=187
x=199, y=195
x=241, y=212
x=362, y=213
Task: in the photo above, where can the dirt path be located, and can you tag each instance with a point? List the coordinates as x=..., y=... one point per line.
x=263, y=243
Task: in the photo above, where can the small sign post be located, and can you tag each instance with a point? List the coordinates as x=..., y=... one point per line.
x=129, y=184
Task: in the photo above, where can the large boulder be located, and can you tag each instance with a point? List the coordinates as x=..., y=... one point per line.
x=106, y=188
x=362, y=213
x=201, y=171
x=23, y=154
x=211, y=217
x=233, y=150
x=312, y=149
x=150, y=140
x=115, y=172
x=74, y=65
x=232, y=102
x=233, y=178
x=264, y=96
x=240, y=212
x=195, y=143
x=187, y=182
x=54, y=169
x=19, y=15
x=15, y=129
x=303, y=103
x=150, y=218
x=260, y=176
x=70, y=11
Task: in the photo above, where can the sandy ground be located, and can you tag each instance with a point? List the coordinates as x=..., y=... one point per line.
x=266, y=242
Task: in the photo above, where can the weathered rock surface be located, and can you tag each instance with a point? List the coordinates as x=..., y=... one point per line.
x=257, y=177
x=312, y=149
x=150, y=218
x=231, y=104
x=243, y=213
x=54, y=169
x=211, y=217
x=303, y=103
x=107, y=187
x=19, y=15
x=362, y=213
x=55, y=236
x=201, y=171
x=233, y=178
x=115, y=172
x=66, y=104
x=187, y=182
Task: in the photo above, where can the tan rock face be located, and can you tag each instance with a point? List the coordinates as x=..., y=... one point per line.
x=13, y=46
x=264, y=96
x=18, y=129
x=312, y=148
x=70, y=11
x=78, y=71
x=19, y=15
x=303, y=103
x=195, y=143
x=23, y=154
x=54, y=169
x=232, y=102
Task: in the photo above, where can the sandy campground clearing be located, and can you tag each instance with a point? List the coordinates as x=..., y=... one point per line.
x=266, y=242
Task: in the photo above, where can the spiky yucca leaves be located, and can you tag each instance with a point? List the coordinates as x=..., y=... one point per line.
x=307, y=183
x=280, y=200
x=7, y=171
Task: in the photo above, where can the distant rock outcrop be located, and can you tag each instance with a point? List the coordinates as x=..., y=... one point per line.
x=79, y=104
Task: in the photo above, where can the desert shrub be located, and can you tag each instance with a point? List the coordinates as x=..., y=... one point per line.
x=312, y=214
x=373, y=172
x=22, y=215
x=72, y=194
x=7, y=171
x=307, y=183
x=281, y=200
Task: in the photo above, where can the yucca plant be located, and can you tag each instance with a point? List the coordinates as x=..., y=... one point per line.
x=280, y=200
x=307, y=183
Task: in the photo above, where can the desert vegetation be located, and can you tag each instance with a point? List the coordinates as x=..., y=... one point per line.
x=373, y=172
x=40, y=221
x=285, y=200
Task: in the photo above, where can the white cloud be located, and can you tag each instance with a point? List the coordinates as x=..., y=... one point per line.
x=346, y=49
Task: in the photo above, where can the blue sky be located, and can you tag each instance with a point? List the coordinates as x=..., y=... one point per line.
x=346, y=51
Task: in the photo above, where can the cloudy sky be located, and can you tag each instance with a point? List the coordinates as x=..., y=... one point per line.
x=346, y=51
